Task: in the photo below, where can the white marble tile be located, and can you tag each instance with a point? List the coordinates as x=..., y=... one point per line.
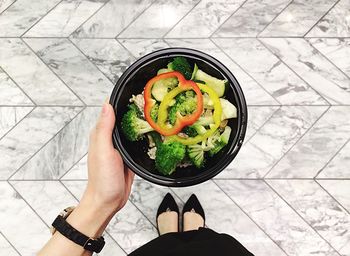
x=339, y=189
x=224, y=216
x=276, y=218
x=318, y=209
x=83, y=77
x=336, y=50
x=10, y=93
x=32, y=75
x=67, y=16
x=204, y=19
x=10, y=116
x=21, y=15
x=19, y=223
x=253, y=92
x=272, y=141
x=317, y=147
x=251, y=18
x=338, y=167
x=112, y=18
x=141, y=47
x=158, y=19
x=30, y=135
x=129, y=227
x=298, y=18
x=4, y=4
x=335, y=23
x=7, y=248
x=78, y=172
x=63, y=151
x=281, y=82
x=107, y=54
x=314, y=68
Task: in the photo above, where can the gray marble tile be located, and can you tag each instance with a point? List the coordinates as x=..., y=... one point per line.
x=67, y=16
x=128, y=227
x=339, y=189
x=335, y=23
x=7, y=248
x=338, y=167
x=78, y=172
x=254, y=93
x=141, y=47
x=224, y=216
x=270, y=72
x=204, y=19
x=33, y=76
x=319, y=210
x=30, y=135
x=112, y=18
x=317, y=147
x=63, y=151
x=10, y=116
x=20, y=16
x=336, y=50
x=276, y=218
x=298, y=18
x=251, y=18
x=313, y=67
x=83, y=77
x=107, y=54
x=4, y=4
x=19, y=223
x=272, y=141
x=158, y=19
x=10, y=93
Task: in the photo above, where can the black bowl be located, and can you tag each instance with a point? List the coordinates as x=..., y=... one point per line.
x=135, y=155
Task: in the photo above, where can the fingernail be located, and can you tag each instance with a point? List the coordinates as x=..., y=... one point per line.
x=104, y=109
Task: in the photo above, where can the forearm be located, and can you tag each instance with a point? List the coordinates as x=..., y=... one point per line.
x=89, y=219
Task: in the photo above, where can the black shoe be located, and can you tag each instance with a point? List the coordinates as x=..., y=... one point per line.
x=193, y=205
x=167, y=205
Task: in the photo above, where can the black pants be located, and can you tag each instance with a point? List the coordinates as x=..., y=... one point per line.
x=202, y=242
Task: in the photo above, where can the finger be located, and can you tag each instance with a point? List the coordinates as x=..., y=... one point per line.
x=105, y=125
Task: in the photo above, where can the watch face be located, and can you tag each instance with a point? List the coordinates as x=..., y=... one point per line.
x=65, y=213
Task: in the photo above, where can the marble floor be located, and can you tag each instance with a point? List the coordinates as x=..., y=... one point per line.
x=288, y=190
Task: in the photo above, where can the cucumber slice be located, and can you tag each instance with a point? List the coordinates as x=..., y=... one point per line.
x=195, y=69
x=161, y=87
x=216, y=84
x=228, y=109
x=163, y=70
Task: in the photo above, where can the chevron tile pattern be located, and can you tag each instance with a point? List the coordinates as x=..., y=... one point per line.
x=288, y=190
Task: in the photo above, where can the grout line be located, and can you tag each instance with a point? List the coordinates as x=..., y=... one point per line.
x=126, y=49
x=8, y=241
x=3, y=11
x=346, y=210
x=307, y=32
x=36, y=22
x=143, y=214
x=282, y=61
x=246, y=213
x=199, y=37
x=187, y=13
x=105, y=231
x=53, y=72
x=74, y=164
x=306, y=222
x=278, y=14
x=246, y=72
x=98, y=9
x=44, y=145
x=331, y=159
x=229, y=17
x=292, y=146
x=136, y=17
x=3, y=136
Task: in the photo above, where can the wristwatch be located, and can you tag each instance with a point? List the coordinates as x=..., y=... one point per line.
x=61, y=225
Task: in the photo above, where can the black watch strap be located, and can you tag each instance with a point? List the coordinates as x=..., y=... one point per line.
x=93, y=245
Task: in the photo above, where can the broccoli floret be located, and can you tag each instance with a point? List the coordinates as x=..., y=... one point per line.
x=185, y=104
x=154, y=112
x=168, y=156
x=133, y=126
x=194, y=130
x=221, y=142
x=181, y=65
x=196, y=155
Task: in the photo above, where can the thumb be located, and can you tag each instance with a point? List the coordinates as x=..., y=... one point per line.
x=105, y=125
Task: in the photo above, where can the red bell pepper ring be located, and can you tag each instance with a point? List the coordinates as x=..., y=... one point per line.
x=181, y=121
